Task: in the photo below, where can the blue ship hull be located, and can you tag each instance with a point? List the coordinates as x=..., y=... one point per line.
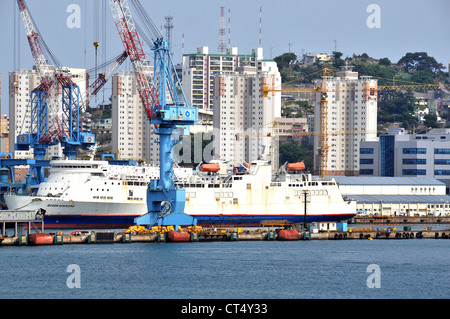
x=108, y=221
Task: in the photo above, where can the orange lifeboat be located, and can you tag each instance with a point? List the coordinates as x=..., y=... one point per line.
x=299, y=166
x=214, y=167
x=40, y=239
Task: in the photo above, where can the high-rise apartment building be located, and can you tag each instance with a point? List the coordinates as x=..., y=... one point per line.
x=351, y=118
x=4, y=133
x=243, y=116
x=133, y=137
x=199, y=69
x=21, y=84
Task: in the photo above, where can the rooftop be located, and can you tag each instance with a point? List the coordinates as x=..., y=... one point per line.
x=381, y=180
x=425, y=199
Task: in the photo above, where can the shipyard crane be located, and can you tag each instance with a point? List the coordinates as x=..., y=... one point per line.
x=47, y=127
x=323, y=132
x=103, y=78
x=165, y=109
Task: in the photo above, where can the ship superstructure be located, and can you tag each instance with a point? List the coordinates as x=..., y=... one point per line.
x=96, y=194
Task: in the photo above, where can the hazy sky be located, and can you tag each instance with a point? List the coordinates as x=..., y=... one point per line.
x=398, y=27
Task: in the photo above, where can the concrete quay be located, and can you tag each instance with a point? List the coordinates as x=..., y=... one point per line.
x=111, y=237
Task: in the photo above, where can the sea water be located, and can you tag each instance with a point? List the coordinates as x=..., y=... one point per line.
x=409, y=269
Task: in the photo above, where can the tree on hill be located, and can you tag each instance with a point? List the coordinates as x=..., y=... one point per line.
x=384, y=61
x=420, y=61
x=284, y=60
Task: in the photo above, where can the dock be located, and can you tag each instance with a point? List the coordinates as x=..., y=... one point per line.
x=231, y=235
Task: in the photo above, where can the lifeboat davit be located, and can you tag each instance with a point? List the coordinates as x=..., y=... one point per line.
x=288, y=234
x=178, y=236
x=40, y=239
x=213, y=167
x=299, y=166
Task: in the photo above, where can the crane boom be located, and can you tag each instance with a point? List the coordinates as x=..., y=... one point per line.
x=133, y=46
x=165, y=202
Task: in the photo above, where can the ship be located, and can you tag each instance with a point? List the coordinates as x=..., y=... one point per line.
x=96, y=194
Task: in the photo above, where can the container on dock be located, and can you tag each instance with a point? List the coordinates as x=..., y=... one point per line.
x=342, y=227
x=40, y=239
x=178, y=236
x=288, y=234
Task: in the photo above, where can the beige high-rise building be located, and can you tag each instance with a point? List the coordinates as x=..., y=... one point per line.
x=242, y=116
x=352, y=116
x=199, y=69
x=21, y=84
x=133, y=137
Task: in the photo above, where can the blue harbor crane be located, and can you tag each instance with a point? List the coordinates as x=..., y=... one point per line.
x=165, y=110
x=47, y=126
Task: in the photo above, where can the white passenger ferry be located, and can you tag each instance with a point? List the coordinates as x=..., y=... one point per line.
x=97, y=194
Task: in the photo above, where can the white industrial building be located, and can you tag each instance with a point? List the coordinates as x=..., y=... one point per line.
x=413, y=155
x=396, y=196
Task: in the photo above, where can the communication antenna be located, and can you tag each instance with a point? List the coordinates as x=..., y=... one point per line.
x=229, y=29
x=222, y=35
x=260, y=25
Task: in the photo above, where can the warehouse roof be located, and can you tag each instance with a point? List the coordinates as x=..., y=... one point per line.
x=400, y=198
x=381, y=180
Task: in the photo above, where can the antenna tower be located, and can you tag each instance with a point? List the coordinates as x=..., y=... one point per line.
x=222, y=35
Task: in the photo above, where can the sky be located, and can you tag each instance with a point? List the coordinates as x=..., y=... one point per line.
x=380, y=28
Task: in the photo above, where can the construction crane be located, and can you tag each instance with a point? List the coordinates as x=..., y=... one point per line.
x=165, y=109
x=323, y=131
x=47, y=128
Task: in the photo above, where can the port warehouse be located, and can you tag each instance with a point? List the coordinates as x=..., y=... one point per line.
x=396, y=196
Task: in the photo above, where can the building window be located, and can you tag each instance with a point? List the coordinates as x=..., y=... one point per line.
x=366, y=172
x=441, y=172
x=414, y=172
x=415, y=151
x=414, y=161
x=442, y=151
x=442, y=161
x=366, y=151
x=366, y=161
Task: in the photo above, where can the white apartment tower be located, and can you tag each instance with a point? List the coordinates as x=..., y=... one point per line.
x=21, y=84
x=351, y=118
x=133, y=137
x=242, y=116
x=199, y=69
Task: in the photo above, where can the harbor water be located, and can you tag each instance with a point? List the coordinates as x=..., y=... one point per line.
x=364, y=269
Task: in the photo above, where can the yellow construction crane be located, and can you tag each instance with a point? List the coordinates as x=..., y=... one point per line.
x=323, y=133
